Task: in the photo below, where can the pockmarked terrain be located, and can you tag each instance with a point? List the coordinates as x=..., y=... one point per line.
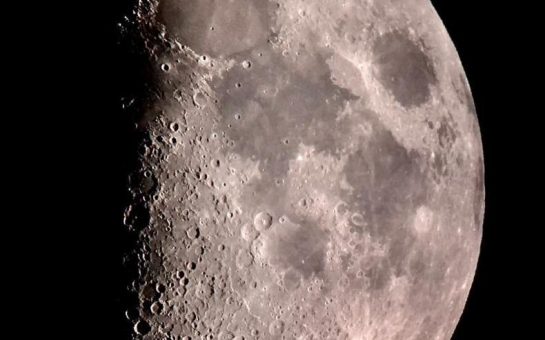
x=307, y=170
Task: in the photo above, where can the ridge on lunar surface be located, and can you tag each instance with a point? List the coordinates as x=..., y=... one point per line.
x=307, y=170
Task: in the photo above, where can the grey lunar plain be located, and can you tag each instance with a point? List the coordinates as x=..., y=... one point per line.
x=309, y=170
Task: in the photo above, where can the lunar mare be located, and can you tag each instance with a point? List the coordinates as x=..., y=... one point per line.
x=307, y=170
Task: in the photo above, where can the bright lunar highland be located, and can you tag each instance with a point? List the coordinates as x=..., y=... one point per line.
x=307, y=169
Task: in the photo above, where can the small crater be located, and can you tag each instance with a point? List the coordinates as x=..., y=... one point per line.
x=174, y=127
x=357, y=219
x=244, y=259
x=204, y=291
x=160, y=288
x=165, y=67
x=248, y=232
x=247, y=64
x=156, y=307
x=341, y=208
x=276, y=327
x=226, y=336
x=141, y=327
x=199, y=99
x=263, y=221
x=193, y=233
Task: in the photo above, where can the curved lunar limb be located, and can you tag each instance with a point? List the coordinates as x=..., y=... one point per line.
x=308, y=169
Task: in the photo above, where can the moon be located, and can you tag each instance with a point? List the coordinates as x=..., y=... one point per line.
x=307, y=170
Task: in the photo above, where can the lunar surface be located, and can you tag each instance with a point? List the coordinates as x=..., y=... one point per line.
x=307, y=169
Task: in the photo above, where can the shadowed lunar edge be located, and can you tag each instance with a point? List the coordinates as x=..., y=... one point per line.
x=309, y=171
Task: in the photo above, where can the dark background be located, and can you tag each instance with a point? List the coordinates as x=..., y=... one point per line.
x=490, y=45
x=101, y=153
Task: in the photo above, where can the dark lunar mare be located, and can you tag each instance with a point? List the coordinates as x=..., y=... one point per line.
x=404, y=68
x=389, y=181
x=302, y=110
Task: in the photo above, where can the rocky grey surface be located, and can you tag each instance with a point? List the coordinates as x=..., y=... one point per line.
x=310, y=170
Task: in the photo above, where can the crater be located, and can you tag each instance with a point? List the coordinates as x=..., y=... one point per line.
x=403, y=68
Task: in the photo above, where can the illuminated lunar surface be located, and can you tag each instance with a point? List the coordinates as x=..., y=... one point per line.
x=307, y=170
